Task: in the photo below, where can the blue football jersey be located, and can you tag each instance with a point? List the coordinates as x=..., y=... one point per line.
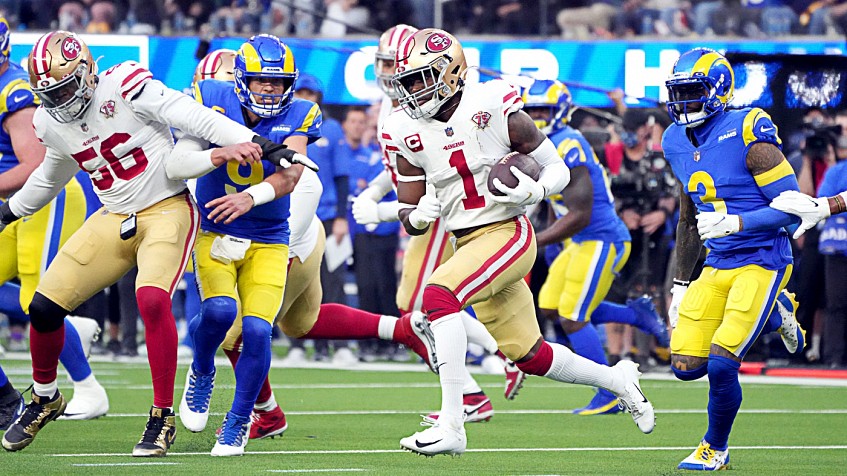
x=605, y=225
x=15, y=94
x=716, y=177
x=267, y=223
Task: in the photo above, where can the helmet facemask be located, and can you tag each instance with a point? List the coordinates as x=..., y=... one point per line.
x=68, y=99
x=262, y=104
x=425, y=102
x=384, y=69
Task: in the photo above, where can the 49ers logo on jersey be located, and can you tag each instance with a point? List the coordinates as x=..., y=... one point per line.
x=481, y=119
x=71, y=48
x=414, y=143
x=436, y=43
x=108, y=108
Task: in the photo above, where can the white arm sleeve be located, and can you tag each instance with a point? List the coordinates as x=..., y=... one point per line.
x=380, y=186
x=304, y=203
x=159, y=103
x=190, y=158
x=555, y=175
x=44, y=184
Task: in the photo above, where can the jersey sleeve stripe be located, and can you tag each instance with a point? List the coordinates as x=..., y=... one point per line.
x=310, y=119
x=392, y=148
x=133, y=75
x=774, y=174
x=386, y=136
x=511, y=94
x=143, y=79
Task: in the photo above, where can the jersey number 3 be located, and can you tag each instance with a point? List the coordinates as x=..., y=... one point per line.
x=472, y=198
x=710, y=194
x=114, y=168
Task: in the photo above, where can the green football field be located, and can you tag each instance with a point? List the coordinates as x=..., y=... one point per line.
x=344, y=422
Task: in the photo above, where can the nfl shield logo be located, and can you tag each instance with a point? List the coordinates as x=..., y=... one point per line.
x=696, y=156
x=449, y=131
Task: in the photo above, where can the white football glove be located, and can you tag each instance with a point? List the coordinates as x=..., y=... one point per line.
x=716, y=225
x=810, y=210
x=677, y=292
x=427, y=211
x=365, y=210
x=526, y=192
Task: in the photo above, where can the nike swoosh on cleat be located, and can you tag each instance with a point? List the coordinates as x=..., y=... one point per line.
x=642, y=394
x=424, y=445
x=476, y=408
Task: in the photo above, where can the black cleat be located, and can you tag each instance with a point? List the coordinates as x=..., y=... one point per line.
x=12, y=404
x=159, y=434
x=38, y=413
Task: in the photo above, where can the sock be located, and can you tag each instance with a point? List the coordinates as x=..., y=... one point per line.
x=3, y=381
x=693, y=374
x=773, y=323
x=192, y=297
x=470, y=385
x=565, y=366
x=477, y=333
x=89, y=381
x=193, y=324
x=337, y=321
x=48, y=389
x=10, y=302
x=586, y=343
x=233, y=356
x=216, y=317
x=265, y=405
x=154, y=305
x=724, y=400
x=253, y=365
x=610, y=312
x=387, y=327
x=45, y=348
x=72, y=356
x=451, y=344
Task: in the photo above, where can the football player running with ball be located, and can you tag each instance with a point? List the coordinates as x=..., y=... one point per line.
x=115, y=126
x=448, y=135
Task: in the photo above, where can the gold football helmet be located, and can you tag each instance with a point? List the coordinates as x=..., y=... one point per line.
x=219, y=64
x=63, y=74
x=389, y=42
x=430, y=68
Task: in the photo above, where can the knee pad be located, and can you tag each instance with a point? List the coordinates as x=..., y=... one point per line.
x=439, y=302
x=688, y=375
x=219, y=311
x=45, y=315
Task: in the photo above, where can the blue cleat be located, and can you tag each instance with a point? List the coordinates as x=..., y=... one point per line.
x=603, y=403
x=705, y=458
x=194, y=407
x=235, y=431
x=649, y=321
x=793, y=336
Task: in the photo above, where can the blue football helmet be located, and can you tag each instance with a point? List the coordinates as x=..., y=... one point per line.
x=5, y=40
x=553, y=97
x=700, y=86
x=267, y=57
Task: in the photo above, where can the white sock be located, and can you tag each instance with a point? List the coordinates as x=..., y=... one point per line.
x=478, y=334
x=45, y=389
x=450, y=345
x=385, y=329
x=572, y=368
x=89, y=381
x=266, y=406
x=469, y=386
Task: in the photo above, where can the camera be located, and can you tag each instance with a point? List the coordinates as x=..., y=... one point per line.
x=819, y=140
x=641, y=186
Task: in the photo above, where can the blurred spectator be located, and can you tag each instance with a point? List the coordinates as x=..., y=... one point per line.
x=346, y=11
x=72, y=16
x=103, y=17
x=142, y=18
x=833, y=244
x=579, y=19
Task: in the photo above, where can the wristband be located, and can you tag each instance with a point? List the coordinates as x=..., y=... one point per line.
x=262, y=193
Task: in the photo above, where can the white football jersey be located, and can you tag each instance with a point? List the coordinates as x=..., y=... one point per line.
x=456, y=155
x=303, y=223
x=122, y=140
x=389, y=158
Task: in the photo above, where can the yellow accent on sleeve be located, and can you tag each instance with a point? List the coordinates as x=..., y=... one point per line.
x=569, y=144
x=774, y=174
x=748, y=131
x=198, y=96
x=309, y=119
x=14, y=85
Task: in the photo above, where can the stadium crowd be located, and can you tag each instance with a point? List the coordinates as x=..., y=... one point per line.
x=575, y=19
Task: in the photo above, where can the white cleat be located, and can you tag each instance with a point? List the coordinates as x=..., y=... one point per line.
x=793, y=336
x=441, y=438
x=89, y=401
x=88, y=331
x=420, y=326
x=194, y=407
x=233, y=436
x=632, y=399
x=704, y=458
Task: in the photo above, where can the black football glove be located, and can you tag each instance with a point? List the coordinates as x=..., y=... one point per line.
x=280, y=155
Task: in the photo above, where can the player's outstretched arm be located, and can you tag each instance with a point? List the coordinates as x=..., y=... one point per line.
x=526, y=138
x=579, y=197
x=191, y=157
x=810, y=210
x=417, y=209
x=41, y=187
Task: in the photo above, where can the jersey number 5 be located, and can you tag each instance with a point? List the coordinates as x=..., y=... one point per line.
x=114, y=168
x=472, y=198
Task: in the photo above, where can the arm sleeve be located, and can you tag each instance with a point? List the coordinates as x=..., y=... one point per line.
x=191, y=157
x=342, y=191
x=772, y=183
x=304, y=203
x=159, y=103
x=43, y=185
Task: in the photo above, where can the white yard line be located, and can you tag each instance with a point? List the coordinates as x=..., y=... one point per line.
x=477, y=450
x=327, y=470
x=152, y=463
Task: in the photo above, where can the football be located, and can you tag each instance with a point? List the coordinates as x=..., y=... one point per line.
x=502, y=170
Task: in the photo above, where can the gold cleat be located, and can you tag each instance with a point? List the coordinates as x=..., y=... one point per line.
x=38, y=413
x=159, y=434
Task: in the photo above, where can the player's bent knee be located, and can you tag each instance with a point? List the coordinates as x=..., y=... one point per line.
x=693, y=374
x=254, y=330
x=153, y=302
x=439, y=302
x=45, y=315
x=538, y=361
x=570, y=326
x=220, y=311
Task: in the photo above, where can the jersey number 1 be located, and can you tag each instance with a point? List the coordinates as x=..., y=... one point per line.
x=114, y=168
x=472, y=198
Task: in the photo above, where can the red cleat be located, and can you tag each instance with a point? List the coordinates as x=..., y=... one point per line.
x=477, y=408
x=267, y=424
x=514, y=379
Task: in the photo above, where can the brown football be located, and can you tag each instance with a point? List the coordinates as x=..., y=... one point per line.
x=501, y=170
